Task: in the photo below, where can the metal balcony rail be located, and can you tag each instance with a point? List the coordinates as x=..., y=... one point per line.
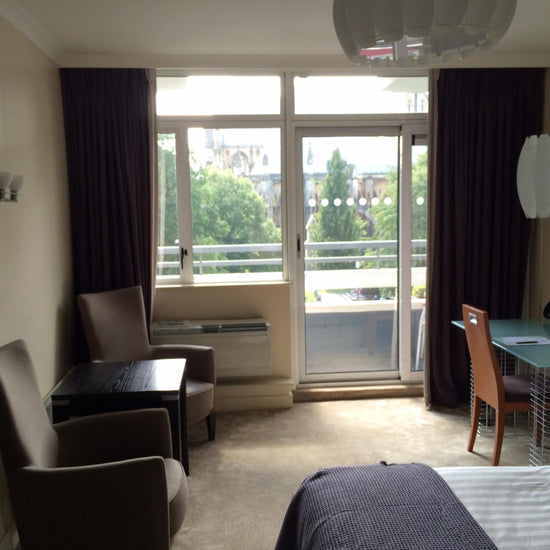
x=373, y=252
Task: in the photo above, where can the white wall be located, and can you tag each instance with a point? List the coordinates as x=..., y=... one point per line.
x=35, y=265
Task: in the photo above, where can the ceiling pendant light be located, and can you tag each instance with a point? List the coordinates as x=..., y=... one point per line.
x=385, y=33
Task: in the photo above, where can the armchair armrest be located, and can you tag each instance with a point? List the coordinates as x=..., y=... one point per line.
x=116, y=505
x=114, y=436
x=200, y=359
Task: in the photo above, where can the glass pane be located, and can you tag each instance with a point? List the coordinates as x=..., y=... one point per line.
x=236, y=202
x=360, y=95
x=219, y=95
x=419, y=220
x=350, y=227
x=168, y=258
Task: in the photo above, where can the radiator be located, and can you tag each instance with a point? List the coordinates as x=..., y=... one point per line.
x=242, y=346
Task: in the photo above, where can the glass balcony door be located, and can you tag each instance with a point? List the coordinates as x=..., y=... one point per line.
x=352, y=260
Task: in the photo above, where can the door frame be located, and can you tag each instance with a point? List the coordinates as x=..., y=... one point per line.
x=405, y=126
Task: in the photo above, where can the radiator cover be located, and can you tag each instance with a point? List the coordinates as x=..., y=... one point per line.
x=242, y=346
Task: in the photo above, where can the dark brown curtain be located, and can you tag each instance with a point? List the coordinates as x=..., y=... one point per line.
x=107, y=131
x=479, y=237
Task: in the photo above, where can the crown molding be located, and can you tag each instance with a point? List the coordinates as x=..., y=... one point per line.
x=25, y=24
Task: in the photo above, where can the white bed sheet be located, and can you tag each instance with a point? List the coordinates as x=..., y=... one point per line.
x=511, y=503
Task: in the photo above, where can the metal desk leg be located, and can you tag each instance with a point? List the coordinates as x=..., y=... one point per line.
x=540, y=398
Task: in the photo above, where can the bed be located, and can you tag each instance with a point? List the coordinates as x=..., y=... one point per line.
x=412, y=506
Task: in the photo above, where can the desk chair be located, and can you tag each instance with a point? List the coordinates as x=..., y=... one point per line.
x=116, y=330
x=98, y=482
x=505, y=394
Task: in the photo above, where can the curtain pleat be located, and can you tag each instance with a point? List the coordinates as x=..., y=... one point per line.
x=479, y=236
x=107, y=131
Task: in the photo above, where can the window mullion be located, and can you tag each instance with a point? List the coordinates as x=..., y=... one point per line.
x=185, y=233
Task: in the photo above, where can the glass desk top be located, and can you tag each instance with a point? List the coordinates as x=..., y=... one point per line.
x=537, y=355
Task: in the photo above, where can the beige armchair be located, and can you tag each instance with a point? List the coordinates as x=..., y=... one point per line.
x=116, y=330
x=106, y=481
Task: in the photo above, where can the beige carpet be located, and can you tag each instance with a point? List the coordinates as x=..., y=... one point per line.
x=241, y=484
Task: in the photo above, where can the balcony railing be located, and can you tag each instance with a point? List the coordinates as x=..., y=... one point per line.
x=373, y=252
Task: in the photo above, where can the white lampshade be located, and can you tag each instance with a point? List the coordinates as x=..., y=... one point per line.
x=542, y=176
x=447, y=16
x=533, y=176
x=381, y=33
x=417, y=17
x=478, y=17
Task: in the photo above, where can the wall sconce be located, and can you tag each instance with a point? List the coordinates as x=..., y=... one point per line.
x=533, y=176
x=10, y=185
x=533, y=183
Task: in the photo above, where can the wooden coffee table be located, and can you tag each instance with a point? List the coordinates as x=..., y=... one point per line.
x=92, y=388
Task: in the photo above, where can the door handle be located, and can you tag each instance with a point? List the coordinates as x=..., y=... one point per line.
x=183, y=252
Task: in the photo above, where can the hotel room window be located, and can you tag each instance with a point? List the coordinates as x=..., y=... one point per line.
x=220, y=217
x=316, y=179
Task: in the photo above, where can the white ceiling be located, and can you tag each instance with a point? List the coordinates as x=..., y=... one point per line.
x=225, y=33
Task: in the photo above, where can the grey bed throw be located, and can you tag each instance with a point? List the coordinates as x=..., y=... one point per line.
x=379, y=506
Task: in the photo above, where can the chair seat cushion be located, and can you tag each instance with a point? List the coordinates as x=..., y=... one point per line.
x=200, y=399
x=195, y=387
x=176, y=483
x=517, y=387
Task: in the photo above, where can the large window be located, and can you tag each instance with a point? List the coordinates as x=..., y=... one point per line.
x=223, y=171
x=230, y=206
x=320, y=180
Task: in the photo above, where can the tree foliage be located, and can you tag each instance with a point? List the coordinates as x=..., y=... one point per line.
x=386, y=217
x=337, y=222
x=226, y=209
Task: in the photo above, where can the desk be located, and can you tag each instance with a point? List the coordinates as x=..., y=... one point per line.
x=92, y=388
x=538, y=358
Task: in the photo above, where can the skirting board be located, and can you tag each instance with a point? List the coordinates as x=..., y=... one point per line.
x=261, y=393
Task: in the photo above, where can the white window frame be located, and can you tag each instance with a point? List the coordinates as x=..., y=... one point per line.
x=179, y=125
x=407, y=126
x=291, y=195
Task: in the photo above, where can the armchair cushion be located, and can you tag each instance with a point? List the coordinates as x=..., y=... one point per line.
x=124, y=502
x=177, y=493
x=200, y=400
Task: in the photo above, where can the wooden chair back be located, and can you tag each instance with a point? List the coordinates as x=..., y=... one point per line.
x=488, y=383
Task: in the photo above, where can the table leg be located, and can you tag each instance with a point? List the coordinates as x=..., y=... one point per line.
x=540, y=393
x=60, y=410
x=183, y=424
x=172, y=406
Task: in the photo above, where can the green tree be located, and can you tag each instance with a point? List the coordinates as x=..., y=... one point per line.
x=228, y=210
x=337, y=222
x=386, y=216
